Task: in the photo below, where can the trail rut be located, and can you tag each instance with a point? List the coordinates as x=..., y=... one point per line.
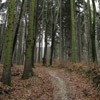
x=60, y=90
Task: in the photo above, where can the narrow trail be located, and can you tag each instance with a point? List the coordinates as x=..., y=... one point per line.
x=60, y=91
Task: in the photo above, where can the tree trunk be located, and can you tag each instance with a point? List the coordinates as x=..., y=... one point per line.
x=52, y=43
x=74, y=46
x=94, y=55
x=29, y=43
x=6, y=77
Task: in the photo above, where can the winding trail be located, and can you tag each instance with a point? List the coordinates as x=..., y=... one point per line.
x=60, y=91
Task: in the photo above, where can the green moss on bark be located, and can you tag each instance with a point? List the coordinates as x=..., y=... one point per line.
x=74, y=46
x=6, y=77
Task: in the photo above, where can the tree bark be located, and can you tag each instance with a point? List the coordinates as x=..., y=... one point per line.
x=29, y=42
x=6, y=77
x=74, y=46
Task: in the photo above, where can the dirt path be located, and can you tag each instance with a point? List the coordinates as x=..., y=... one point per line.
x=70, y=86
x=60, y=91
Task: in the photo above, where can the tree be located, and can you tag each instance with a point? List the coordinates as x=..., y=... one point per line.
x=94, y=55
x=6, y=77
x=46, y=30
x=74, y=46
x=53, y=37
x=29, y=42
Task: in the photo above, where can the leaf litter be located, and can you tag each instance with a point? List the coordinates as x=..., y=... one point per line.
x=41, y=87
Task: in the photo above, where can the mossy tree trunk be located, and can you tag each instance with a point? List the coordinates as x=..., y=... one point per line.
x=29, y=42
x=6, y=77
x=74, y=46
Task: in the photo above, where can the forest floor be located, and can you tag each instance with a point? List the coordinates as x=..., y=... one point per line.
x=49, y=83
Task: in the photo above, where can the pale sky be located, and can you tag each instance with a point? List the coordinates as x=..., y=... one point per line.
x=3, y=1
x=97, y=5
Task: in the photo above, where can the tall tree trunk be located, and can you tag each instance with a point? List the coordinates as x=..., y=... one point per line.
x=35, y=30
x=6, y=77
x=85, y=34
x=46, y=41
x=29, y=43
x=94, y=55
x=74, y=46
x=61, y=35
x=53, y=41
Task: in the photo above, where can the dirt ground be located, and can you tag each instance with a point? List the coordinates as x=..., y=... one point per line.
x=48, y=84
